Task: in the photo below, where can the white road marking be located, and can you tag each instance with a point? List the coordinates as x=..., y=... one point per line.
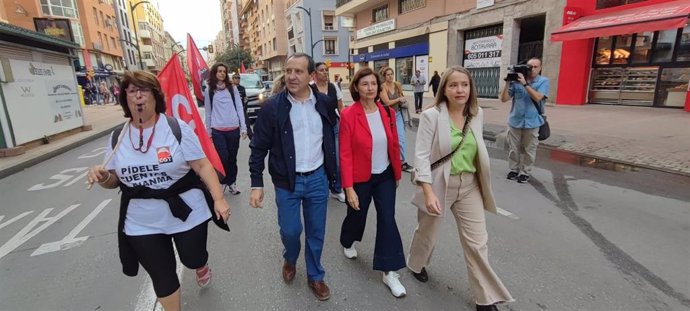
x=28, y=232
x=61, y=178
x=93, y=153
x=18, y=217
x=83, y=175
x=146, y=299
x=505, y=213
x=71, y=240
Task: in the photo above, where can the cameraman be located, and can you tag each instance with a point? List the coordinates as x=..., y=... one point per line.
x=524, y=120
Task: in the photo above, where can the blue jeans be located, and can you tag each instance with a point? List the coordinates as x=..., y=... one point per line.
x=311, y=194
x=400, y=124
x=388, y=250
x=227, y=144
x=337, y=186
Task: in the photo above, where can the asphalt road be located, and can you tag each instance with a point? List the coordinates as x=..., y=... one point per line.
x=575, y=238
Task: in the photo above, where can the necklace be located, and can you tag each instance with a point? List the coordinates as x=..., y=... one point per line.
x=141, y=137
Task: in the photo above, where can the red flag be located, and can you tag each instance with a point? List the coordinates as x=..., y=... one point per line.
x=197, y=67
x=242, y=69
x=179, y=104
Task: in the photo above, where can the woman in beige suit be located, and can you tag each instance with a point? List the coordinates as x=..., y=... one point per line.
x=461, y=184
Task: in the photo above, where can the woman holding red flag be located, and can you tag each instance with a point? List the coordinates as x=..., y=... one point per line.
x=169, y=190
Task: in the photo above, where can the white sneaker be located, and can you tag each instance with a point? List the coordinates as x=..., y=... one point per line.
x=350, y=253
x=392, y=280
x=234, y=189
x=338, y=196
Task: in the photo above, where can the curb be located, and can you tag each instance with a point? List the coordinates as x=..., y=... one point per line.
x=494, y=137
x=48, y=155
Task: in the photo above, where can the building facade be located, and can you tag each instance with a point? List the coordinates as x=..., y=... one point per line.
x=127, y=39
x=400, y=33
x=149, y=28
x=330, y=38
x=625, y=53
x=103, y=51
x=272, y=37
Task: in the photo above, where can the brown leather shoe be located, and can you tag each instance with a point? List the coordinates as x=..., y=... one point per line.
x=320, y=289
x=288, y=272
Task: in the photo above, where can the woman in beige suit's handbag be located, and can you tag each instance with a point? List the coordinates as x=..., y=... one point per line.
x=452, y=174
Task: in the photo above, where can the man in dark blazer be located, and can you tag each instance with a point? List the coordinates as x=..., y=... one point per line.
x=295, y=129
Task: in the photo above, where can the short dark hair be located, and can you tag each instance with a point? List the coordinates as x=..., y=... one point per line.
x=141, y=78
x=310, y=61
x=365, y=71
x=317, y=65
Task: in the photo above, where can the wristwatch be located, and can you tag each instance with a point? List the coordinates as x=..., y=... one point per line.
x=525, y=84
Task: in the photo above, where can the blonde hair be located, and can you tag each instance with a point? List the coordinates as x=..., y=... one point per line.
x=278, y=84
x=472, y=106
x=396, y=86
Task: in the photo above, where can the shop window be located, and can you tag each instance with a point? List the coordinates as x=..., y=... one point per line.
x=684, y=46
x=379, y=64
x=673, y=86
x=603, y=4
x=379, y=14
x=603, y=50
x=405, y=6
x=663, y=49
x=403, y=70
x=621, y=53
x=643, y=47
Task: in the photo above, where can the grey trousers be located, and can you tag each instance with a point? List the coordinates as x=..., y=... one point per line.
x=464, y=199
x=523, y=149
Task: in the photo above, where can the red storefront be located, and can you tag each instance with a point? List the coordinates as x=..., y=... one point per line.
x=625, y=52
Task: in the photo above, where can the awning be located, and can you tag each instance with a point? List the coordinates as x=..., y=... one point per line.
x=660, y=16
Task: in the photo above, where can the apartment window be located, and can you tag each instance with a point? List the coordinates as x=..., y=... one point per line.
x=405, y=6
x=102, y=19
x=95, y=15
x=330, y=46
x=63, y=8
x=77, y=33
x=274, y=44
x=107, y=44
x=603, y=4
x=329, y=20
x=112, y=43
x=379, y=14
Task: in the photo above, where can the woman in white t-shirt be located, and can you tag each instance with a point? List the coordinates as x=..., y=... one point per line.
x=370, y=169
x=159, y=165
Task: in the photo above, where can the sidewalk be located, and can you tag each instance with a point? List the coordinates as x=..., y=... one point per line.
x=103, y=119
x=654, y=138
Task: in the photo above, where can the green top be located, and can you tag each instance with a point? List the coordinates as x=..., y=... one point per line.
x=463, y=159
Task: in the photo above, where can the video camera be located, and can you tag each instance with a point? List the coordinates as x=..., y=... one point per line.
x=513, y=71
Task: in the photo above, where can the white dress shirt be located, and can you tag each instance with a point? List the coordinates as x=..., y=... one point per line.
x=307, y=132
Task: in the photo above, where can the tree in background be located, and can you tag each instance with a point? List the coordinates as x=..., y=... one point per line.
x=232, y=57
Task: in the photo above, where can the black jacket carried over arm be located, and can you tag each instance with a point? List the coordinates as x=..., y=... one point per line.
x=273, y=132
x=179, y=209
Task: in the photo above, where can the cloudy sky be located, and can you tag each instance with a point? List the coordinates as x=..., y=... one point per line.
x=200, y=18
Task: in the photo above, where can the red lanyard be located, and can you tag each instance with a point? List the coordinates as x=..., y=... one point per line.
x=141, y=138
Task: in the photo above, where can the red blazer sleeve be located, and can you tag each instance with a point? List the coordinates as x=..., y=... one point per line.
x=345, y=146
x=393, y=145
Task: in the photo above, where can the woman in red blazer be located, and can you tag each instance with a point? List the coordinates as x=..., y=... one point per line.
x=370, y=169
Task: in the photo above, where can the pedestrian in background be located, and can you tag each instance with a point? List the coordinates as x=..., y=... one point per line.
x=524, y=119
x=103, y=88
x=418, y=82
x=434, y=81
x=160, y=177
x=225, y=122
x=236, y=79
x=453, y=174
x=295, y=129
x=370, y=162
x=392, y=96
x=323, y=86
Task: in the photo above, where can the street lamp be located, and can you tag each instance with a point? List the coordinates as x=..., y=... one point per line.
x=311, y=30
x=134, y=23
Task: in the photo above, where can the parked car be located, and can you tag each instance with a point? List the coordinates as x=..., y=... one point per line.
x=256, y=93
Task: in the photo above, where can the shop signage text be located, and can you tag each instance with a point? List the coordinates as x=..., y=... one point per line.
x=376, y=29
x=484, y=3
x=483, y=52
x=403, y=51
x=570, y=14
